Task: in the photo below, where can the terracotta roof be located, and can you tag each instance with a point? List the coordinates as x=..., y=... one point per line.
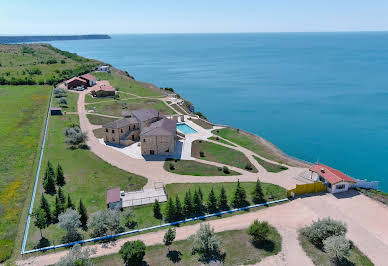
x=75, y=78
x=113, y=195
x=123, y=122
x=88, y=77
x=331, y=175
x=164, y=127
x=144, y=114
x=105, y=88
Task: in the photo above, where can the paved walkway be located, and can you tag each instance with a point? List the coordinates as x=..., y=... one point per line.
x=366, y=220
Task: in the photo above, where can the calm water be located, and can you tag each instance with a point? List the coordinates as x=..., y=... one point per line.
x=315, y=95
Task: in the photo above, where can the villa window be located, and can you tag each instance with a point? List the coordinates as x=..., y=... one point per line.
x=106, y=130
x=113, y=131
x=113, y=139
x=168, y=150
x=121, y=130
x=143, y=140
x=340, y=186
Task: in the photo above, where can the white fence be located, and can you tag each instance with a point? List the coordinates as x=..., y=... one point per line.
x=365, y=184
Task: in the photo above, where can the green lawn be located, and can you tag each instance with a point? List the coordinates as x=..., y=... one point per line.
x=90, y=99
x=252, y=143
x=116, y=108
x=236, y=246
x=270, y=167
x=222, y=141
x=190, y=167
x=23, y=111
x=127, y=85
x=99, y=120
x=87, y=176
x=221, y=154
x=71, y=106
x=40, y=64
x=178, y=108
x=319, y=257
x=201, y=123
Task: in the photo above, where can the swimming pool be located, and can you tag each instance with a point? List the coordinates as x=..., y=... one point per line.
x=185, y=129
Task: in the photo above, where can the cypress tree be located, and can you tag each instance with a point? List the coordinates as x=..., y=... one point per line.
x=60, y=177
x=200, y=193
x=45, y=206
x=157, y=212
x=48, y=179
x=212, y=202
x=223, y=200
x=257, y=193
x=58, y=209
x=197, y=204
x=61, y=196
x=178, y=209
x=83, y=213
x=169, y=212
x=69, y=203
x=188, y=205
x=239, y=198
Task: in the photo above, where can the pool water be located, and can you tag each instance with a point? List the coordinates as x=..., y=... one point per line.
x=185, y=129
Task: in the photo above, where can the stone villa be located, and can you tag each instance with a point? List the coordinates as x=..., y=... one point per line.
x=156, y=133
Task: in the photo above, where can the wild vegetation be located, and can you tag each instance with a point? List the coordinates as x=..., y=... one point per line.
x=270, y=167
x=22, y=115
x=190, y=167
x=30, y=64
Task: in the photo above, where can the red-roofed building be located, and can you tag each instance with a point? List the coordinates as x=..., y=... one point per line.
x=90, y=79
x=75, y=82
x=113, y=199
x=335, y=180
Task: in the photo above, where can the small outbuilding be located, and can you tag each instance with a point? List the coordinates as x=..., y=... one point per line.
x=75, y=82
x=113, y=199
x=90, y=79
x=56, y=111
x=103, y=68
x=333, y=179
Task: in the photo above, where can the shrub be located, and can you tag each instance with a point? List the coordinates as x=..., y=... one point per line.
x=206, y=243
x=248, y=166
x=259, y=231
x=226, y=170
x=337, y=247
x=323, y=229
x=171, y=166
x=69, y=221
x=63, y=62
x=77, y=256
x=75, y=136
x=62, y=101
x=133, y=252
x=51, y=61
x=201, y=154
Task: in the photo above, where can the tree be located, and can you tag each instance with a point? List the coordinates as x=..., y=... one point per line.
x=226, y=170
x=197, y=204
x=257, y=193
x=239, y=198
x=200, y=193
x=178, y=209
x=156, y=208
x=45, y=206
x=58, y=209
x=188, y=205
x=169, y=237
x=322, y=229
x=129, y=216
x=60, y=177
x=62, y=101
x=69, y=221
x=75, y=136
x=61, y=196
x=40, y=219
x=103, y=221
x=212, y=202
x=206, y=243
x=83, y=214
x=337, y=247
x=133, y=252
x=48, y=179
x=259, y=231
x=169, y=212
x=223, y=200
x=77, y=256
x=69, y=203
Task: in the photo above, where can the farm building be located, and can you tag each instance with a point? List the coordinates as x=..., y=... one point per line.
x=75, y=82
x=56, y=111
x=103, y=68
x=90, y=79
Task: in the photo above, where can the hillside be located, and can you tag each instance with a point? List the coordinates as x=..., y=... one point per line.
x=39, y=64
x=46, y=38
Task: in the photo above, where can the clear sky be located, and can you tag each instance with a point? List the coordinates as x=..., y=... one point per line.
x=183, y=16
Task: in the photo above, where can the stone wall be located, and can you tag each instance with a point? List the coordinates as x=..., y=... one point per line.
x=161, y=145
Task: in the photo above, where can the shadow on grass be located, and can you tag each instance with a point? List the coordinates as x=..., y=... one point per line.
x=267, y=245
x=174, y=256
x=43, y=242
x=342, y=262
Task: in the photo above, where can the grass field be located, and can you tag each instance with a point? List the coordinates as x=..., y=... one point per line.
x=22, y=116
x=252, y=143
x=40, y=64
x=126, y=85
x=178, y=108
x=222, y=141
x=116, y=108
x=201, y=123
x=190, y=167
x=99, y=120
x=87, y=176
x=71, y=106
x=270, y=167
x=236, y=246
x=217, y=153
x=122, y=96
x=319, y=257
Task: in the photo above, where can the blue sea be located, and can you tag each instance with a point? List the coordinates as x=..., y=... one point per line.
x=317, y=96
